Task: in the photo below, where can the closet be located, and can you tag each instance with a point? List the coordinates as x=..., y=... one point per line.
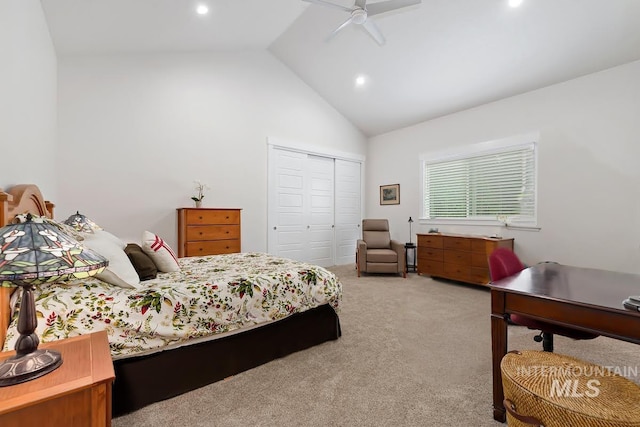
x=314, y=206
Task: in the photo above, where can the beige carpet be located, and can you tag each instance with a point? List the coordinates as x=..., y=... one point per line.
x=414, y=352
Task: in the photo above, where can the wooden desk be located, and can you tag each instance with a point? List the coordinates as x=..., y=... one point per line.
x=78, y=393
x=581, y=298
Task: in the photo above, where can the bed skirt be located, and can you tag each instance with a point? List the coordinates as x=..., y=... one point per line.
x=143, y=380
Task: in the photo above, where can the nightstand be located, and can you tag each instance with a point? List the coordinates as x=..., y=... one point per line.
x=78, y=393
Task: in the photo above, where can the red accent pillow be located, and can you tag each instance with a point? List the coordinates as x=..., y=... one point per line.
x=160, y=252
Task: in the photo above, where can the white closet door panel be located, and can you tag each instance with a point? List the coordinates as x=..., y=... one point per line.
x=290, y=201
x=289, y=227
x=321, y=246
x=286, y=180
x=348, y=210
x=321, y=210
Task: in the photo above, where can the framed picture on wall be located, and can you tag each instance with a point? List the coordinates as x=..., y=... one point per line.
x=390, y=194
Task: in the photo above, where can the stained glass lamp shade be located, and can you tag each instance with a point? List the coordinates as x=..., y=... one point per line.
x=81, y=223
x=32, y=253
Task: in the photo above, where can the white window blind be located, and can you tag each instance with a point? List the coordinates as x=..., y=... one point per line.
x=483, y=185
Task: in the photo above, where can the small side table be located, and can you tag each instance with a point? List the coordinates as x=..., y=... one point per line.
x=410, y=247
x=77, y=394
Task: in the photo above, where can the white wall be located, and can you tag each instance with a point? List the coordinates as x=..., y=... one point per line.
x=135, y=131
x=27, y=97
x=589, y=178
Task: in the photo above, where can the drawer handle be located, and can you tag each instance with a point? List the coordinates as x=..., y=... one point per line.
x=201, y=233
x=200, y=217
x=227, y=231
x=227, y=217
x=200, y=249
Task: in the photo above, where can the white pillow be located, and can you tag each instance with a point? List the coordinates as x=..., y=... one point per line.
x=120, y=271
x=161, y=254
x=105, y=235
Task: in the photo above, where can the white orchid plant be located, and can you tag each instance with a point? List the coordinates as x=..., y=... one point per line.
x=504, y=219
x=200, y=188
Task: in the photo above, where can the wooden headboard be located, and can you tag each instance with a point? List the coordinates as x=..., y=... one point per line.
x=20, y=199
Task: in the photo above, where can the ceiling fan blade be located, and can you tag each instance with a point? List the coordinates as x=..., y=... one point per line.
x=374, y=31
x=327, y=3
x=388, y=6
x=337, y=30
x=362, y=4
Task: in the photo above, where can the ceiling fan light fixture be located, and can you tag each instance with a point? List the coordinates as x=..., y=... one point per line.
x=358, y=16
x=515, y=3
x=361, y=11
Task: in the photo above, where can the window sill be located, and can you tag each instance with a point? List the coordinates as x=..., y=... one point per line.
x=479, y=223
x=522, y=227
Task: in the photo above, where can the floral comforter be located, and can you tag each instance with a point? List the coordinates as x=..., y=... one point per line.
x=210, y=295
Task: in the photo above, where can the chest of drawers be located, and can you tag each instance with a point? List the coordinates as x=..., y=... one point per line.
x=208, y=231
x=457, y=257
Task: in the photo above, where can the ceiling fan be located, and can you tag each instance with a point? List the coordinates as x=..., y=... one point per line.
x=361, y=11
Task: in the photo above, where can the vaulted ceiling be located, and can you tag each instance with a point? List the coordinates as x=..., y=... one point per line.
x=440, y=57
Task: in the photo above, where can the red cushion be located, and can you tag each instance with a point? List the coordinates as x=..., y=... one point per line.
x=503, y=263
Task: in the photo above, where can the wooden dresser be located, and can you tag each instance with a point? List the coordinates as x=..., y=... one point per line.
x=77, y=394
x=208, y=231
x=457, y=257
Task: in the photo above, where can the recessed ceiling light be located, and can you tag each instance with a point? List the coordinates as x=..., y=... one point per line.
x=202, y=9
x=361, y=80
x=515, y=3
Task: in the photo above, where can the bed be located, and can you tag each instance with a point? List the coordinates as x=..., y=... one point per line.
x=218, y=316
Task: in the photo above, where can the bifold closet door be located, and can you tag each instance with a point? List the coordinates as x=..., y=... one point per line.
x=301, y=200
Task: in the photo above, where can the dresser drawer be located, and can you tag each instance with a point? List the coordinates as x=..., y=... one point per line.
x=457, y=272
x=480, y=275
x=213, y=247
x=212, y=216
x=430, y=267
x=430, y=241
x=461, y=243
x=457, y=257
x=212, y=232
x=479, y=260
x=482, y=246
x=430, y=253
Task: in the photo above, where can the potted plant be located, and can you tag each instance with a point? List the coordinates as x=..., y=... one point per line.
x=200, y=187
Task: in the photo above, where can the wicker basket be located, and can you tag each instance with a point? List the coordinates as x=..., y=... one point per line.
x=552, y=390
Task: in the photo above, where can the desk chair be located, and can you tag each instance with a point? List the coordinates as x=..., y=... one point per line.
x=503, y=262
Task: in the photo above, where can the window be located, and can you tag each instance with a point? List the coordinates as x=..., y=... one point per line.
x=493, y=181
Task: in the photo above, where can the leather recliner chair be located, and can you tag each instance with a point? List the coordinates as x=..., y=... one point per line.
x=376, y=252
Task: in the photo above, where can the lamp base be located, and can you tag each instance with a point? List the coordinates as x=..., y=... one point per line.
x=19, y=369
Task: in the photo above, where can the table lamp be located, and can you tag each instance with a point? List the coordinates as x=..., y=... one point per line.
x=81, y=223
x=410, y=222
x=35, y=252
